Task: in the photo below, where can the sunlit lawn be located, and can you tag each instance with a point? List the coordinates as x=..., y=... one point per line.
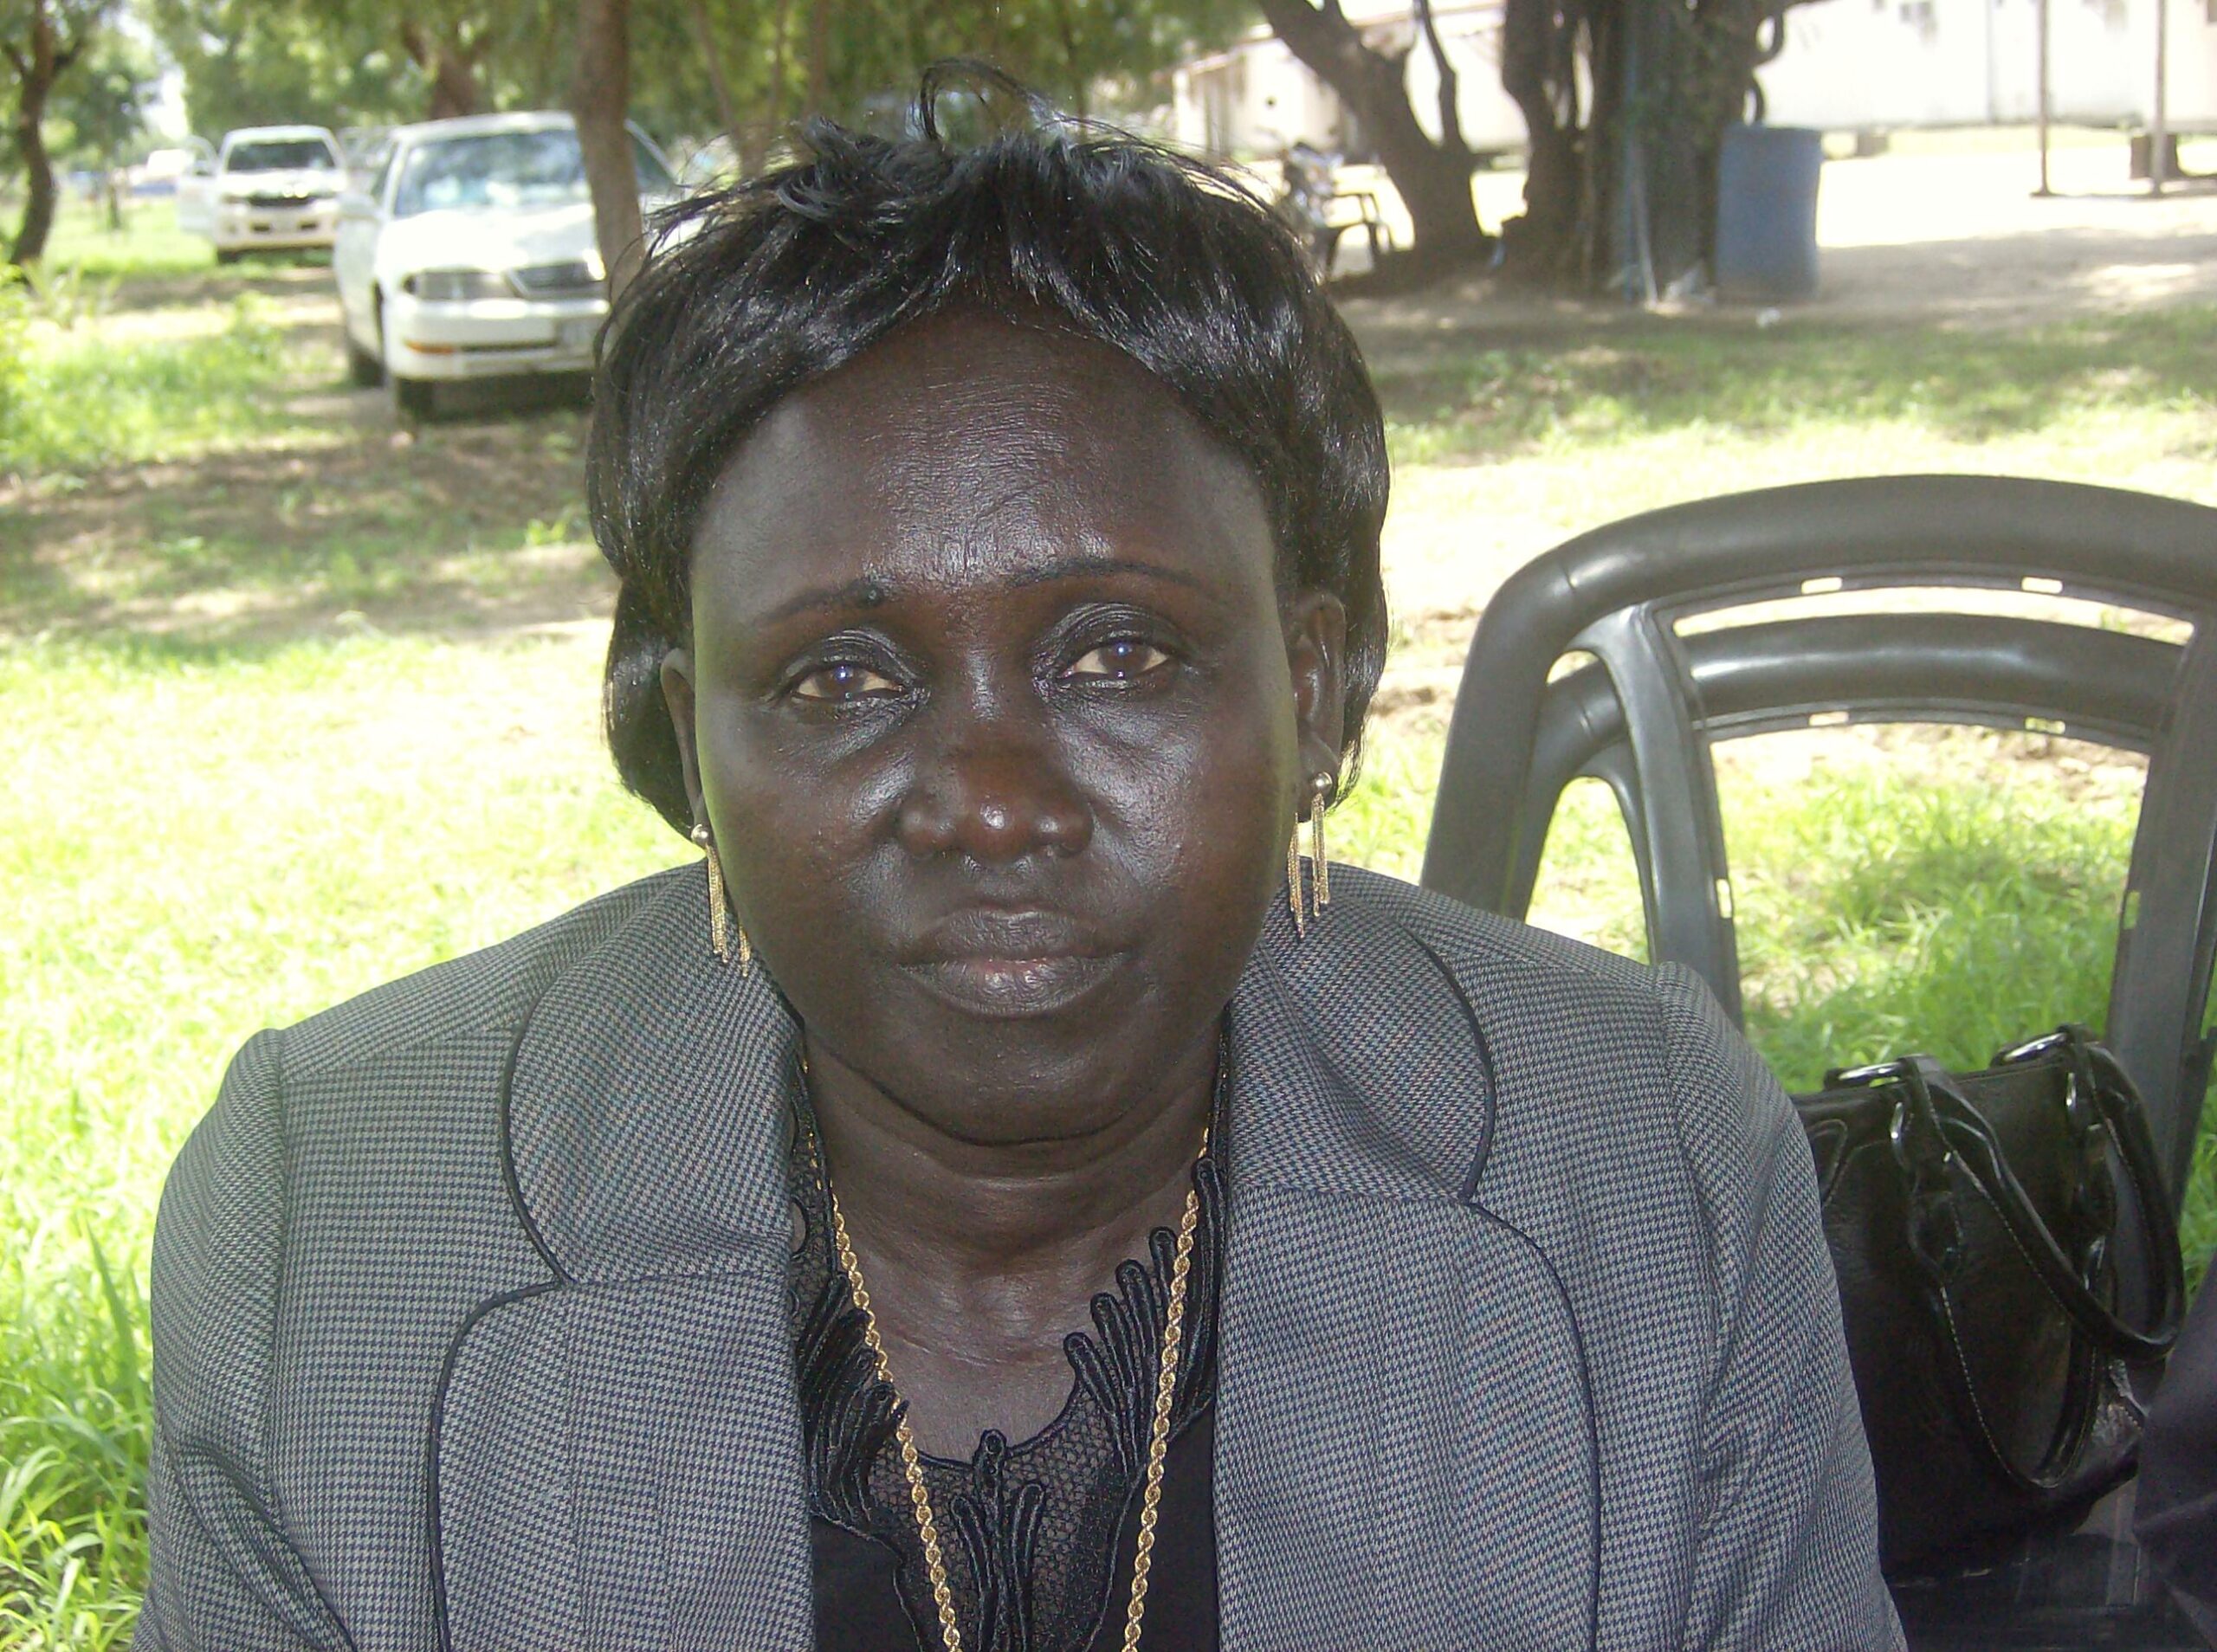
x=268, y=755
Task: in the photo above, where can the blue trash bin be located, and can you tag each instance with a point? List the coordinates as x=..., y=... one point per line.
x=1766, y=212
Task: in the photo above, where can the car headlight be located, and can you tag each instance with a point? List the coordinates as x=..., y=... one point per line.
x=454, y=286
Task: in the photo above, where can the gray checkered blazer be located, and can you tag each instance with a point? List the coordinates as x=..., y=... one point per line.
x=470, y=1328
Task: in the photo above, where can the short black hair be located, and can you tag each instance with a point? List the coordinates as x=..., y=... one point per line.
x=748, y=293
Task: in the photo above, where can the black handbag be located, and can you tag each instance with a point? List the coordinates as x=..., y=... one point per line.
x=1973, y=1225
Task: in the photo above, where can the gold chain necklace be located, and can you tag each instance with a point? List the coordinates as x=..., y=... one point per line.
x=1158, y=1446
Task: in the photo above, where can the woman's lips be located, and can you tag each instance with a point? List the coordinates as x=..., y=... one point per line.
x=994, y=963
x=1013, y=987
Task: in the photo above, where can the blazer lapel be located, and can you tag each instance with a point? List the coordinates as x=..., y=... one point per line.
x=1405, y=1450
x=1404, y=1445
x=616, y=1461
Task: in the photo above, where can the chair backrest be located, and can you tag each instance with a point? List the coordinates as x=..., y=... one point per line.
x=1644, y=715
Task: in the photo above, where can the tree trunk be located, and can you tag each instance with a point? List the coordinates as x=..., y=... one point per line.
x=38, y=178
x=454, y=90
x=453, y=70
x=1433, y=179
x=778, y=87
x=819, y=56
x=600, y=101
x=1073, y=57
x=1536, y=73
x=1624, y=194
x=38, y=62
x=712, y=58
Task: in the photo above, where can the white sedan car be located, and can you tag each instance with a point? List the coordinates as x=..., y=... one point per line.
x=472, y=255
x=267, y=189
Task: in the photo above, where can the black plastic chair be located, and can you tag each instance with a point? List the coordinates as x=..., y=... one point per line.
x=1642, y=715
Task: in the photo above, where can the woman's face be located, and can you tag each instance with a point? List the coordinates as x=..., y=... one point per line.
x=1000, y=720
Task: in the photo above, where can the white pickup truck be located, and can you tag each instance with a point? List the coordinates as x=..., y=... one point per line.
x=268, y=188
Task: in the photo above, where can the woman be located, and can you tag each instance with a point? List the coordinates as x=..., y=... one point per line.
x=1008, y=1198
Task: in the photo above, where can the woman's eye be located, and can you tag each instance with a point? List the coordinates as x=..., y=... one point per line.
x=844, y=683
x=1117, y=661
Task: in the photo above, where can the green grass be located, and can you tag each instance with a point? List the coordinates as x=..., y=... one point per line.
x=1755, y=386
x=150, y=246
x=194, y=845
x=1881, y=914
x=76, y=401
x=232, y=804
x=1674, y=411
x=467, y=522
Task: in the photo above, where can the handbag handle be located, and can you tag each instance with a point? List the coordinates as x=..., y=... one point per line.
x=1934, y=1123
x=1967, y=1131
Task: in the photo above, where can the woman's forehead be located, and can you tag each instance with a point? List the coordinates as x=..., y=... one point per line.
x=966, y=449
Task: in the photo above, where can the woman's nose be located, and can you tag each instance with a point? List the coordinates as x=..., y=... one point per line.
x=996, y=794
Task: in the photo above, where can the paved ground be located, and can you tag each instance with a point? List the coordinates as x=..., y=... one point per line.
x=1944, y=228
x=1964, y=237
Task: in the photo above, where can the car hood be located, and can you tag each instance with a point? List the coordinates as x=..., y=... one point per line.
x=307, y=180
x=485, y=240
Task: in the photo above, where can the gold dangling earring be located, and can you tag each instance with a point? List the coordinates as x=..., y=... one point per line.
x=722, y=929
x=1306, y=904
x=1320, y=790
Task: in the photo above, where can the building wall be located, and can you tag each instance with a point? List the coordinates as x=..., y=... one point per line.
x=1258, y=97
x=1847, y=64
x=1966, y=62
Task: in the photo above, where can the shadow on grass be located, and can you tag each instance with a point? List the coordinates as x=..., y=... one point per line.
x=465, y=525
x=188, y=286
x=1653, y=376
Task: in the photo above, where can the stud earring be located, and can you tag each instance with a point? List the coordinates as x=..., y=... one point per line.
x=1319, y=797
x=722, y=931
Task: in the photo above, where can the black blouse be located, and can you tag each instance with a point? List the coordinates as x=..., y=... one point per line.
x=1038, y=1536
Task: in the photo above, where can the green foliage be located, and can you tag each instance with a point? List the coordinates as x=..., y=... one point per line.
x=44, y=45
x=250, y=62
x=101, y=106
x=353, y=62
x=1060, y=48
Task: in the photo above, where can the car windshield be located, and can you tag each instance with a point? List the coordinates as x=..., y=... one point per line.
x=281, y=155
x=506, y=170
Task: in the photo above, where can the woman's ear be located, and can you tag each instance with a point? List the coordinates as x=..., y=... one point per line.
x=1315, y=652
x=677, y=696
